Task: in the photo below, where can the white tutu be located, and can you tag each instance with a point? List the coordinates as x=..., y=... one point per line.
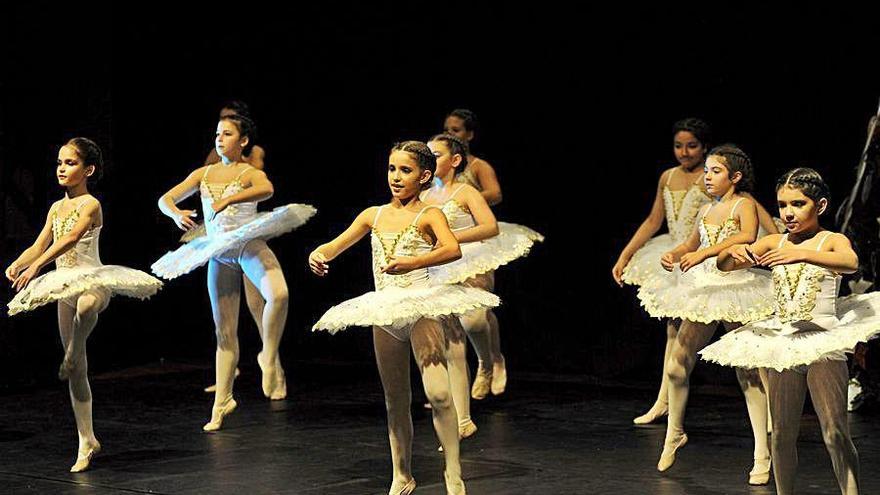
x=645, y=263
x=705, y=294
x=771, y=343
x=513, y=241
x=398, y=307
x=65, y=283
x=265, y=225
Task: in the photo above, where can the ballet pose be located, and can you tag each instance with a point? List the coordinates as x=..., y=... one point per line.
x=702, y=296
x=680, y=196
x=235, y=244
x=407, y=309
x=80, y=284
x=802, y=346
x=255, y=156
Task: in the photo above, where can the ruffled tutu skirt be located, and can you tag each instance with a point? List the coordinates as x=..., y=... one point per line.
x=198, y=251
x=705, y=294
x=513, y=241
x=645, y=263
x=771, y=343
x=397, y=307
x=64, y=283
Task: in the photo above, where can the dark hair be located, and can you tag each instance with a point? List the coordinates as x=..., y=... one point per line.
x=90, y=154
x=736, y=160
x=807, y=181
x=469, y=118
x=699, y=128
x=237, y=106
x=456, y=147
x=422, y=155
x=246, y=127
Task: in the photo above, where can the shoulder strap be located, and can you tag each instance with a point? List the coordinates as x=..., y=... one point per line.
x=238, y=177
x=207, y=169
x=416, y=219
x=735, y=206
x=782, y=240
x=669, y=178
x=456, y=191
x=822, y=242
x=376, y=218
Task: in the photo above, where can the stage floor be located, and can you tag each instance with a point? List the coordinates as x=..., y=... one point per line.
x=545, y=435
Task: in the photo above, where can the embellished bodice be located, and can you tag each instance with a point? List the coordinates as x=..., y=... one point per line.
x=805, y=292
x=85, y=251
x=467, y=176
x=682, y=208
x=457, y=213
x=408, y=242
x=233, y=216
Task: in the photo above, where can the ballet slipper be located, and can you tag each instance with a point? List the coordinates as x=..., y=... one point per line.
x=657, y=411
x=401, y=488
x=760, y=473
x=454, y=486
x=482, y=384
x=84, y=459
x=218, y=413
x=667, y=457
x=499, y=377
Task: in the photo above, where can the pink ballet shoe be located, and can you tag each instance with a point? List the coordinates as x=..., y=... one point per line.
x=482, y=384
x=760, y=473
x=401, y=488
x=657, y=411
x=499, y=377
x=667, y=457
x=84, y=459
x=454, y=486
x=218, y=413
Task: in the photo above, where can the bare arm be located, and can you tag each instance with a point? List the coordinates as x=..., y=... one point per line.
x=319, y=258
x=489, y=183
x=747, y=215
x=765, y=220
x=742, y=256
x=486, y=225
x=257, y=158
x=838, y=255
x=168, y=201
x=446, y=247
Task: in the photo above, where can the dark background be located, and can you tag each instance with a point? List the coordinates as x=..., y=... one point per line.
x=576, y=110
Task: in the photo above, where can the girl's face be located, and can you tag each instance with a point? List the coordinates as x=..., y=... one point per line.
x=70, y=169
x=446, y=161
x=228, y=140
x=689, y=151
x=718, y=180
x=405, y=177
x=455, y=126
x=797, y=210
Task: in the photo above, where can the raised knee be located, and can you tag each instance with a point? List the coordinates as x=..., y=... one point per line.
x=87, y=305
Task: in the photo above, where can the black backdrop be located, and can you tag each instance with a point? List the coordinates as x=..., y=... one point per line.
x=576, y=108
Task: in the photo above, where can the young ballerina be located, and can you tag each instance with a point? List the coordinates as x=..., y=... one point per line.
x=407, y=308
x=680, y=196
x=802, y=346
x=701, y=296
x=255, y=156
x=462, y=123
x=235, y=243
x=471, y=220
x=81, y=285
